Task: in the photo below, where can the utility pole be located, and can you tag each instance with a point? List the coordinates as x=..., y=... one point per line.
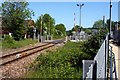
x=41, y=25
x=41, y=35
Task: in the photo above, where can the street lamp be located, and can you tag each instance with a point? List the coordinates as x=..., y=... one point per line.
x=110, y=20
x=80, y=5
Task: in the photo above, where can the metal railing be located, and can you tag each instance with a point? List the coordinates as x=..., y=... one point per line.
x=97, y=68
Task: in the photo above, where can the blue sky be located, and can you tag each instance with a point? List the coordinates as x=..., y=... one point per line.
x=119, y=11
x=63, y=12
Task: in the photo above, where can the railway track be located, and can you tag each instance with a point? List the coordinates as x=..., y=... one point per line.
x=6, y=59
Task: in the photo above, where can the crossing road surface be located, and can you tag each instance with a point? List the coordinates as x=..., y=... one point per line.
x=116, y=51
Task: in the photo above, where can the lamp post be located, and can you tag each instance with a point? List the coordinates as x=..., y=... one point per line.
x=111, y=72
x=80, y=5
x=110, y=21
x=79, y=29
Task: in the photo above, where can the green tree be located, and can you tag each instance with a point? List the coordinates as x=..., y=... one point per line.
x=48, y=23
x=98, y=24
x=75, y=28
x=14, y=15
x=60, y=29
x=69, y=32
x=93, y=43
x=108, y=24
x=88, y=31
x=119, y=25
x=39, y=25
x=52, y=26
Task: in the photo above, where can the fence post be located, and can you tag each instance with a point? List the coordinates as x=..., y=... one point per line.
x=83, y=61
x=86, y=65
x=95, y=70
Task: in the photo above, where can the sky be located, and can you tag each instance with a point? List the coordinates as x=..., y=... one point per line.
x=63, y=12
x=119, y=11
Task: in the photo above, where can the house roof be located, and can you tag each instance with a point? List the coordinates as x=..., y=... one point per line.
x=30, y=22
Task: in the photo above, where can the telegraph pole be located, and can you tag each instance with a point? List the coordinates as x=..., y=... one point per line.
x=41, y=32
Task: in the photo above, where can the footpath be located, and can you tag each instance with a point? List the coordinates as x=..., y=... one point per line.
x=116, y=51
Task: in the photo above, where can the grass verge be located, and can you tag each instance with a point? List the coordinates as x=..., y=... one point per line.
x=16, y=44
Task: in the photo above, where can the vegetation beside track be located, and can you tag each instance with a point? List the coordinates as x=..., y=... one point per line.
x=10, y=43
x=66, y=62
x=58, y=37
x=63, y=63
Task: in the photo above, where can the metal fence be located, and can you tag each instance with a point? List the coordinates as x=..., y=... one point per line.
x=97, y=68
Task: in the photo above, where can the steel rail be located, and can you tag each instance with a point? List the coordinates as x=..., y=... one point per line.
x=36, y=49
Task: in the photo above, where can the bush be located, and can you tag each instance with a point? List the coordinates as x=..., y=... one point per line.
x=19, y=33
x=63, y=63
x=10, y=43
x=8, y=39
x=92, y=45
x=67, y=61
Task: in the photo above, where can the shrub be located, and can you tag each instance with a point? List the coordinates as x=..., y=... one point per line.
x=63, y=63
x=92, y=45
x=8, y=39
x=10, y=43
x=67, y=61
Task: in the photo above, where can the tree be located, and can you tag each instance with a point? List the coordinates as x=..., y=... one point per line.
x=69, y=32
x=61, y=30
x=75, y=28
x=93, y=43
x=98, y=24
x=48, y=24
x=52, y=25
x=39, y=25
x=14, y=15
x=88, y=31
x=108, y=24
x=118, y=25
